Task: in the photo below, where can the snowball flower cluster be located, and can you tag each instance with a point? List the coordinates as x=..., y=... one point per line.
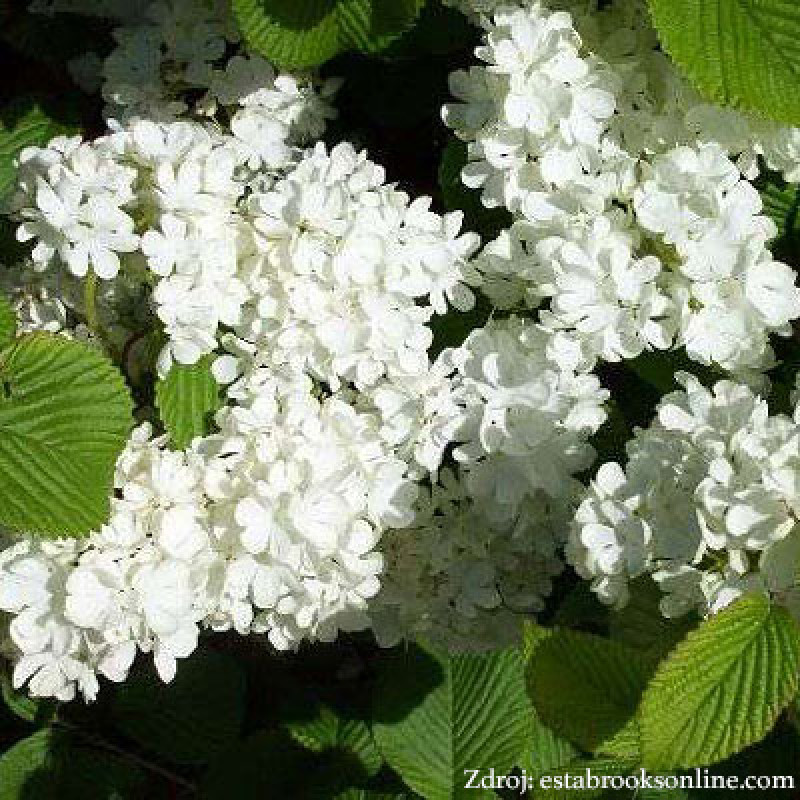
x=174, y=47
x=325, y=277
x=83, y=608
x=707, y=504
x=485, y=544
x=268, y=527
x=636, y=226
x=345, y=272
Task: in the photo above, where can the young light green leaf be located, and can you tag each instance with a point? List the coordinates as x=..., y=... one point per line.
x=8, y=322
x=191, y=720
x=52, y=765
x=722, y=688
x=186, y=399
x=65, y=415
x=586, y=689
x=326, y=730
x=24, y=124
x=437, y=715
x=306, y=33
x=742, y=53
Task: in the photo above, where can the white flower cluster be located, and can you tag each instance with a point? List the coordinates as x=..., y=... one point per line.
x=708, y=504
x=634, y=228
x=485, y=544
x=326, y=279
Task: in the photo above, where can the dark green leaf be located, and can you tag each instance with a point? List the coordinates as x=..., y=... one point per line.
x=55, y=765
x=191, y=720
x=438, y=715
x=587, y=690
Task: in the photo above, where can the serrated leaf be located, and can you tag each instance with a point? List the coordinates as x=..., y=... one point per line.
x=742, y=53
x=306, y=33
x=437, y=715
x=722, y=688
x=53, y=765
x=327, y=730
x=186, y=399
x=544, y=750
x=24, y=124
x=65, y=415
x=291, y=33
x=371, y=25
x=191, y=720
x=587, y=689
x=8, y=322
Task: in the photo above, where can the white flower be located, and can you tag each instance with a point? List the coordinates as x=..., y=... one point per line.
x=707, y=504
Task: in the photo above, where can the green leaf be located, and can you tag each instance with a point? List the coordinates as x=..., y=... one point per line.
x=65, y=415
x=722, y=688
x=640, y=624
x=437, y=715
x=8, y=322
x=24, y=124
x=306, y=33
x=587, y=690
x=186, y=400
x=270, y=764
x=192, y=719
x=326, y=730
x=782, y=205
x=53, y=765
x=741, y=53
x=544, y=750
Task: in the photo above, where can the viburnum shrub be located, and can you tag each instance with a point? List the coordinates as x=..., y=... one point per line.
x=392, y=390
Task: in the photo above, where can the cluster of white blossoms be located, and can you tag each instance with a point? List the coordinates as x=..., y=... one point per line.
x=486, y=541
x=708, y=504
x=353, y=480
x=636, y=226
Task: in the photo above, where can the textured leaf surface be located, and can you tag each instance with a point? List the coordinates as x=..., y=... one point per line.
x=437, y=716
x=587, y=690
x=326, y=730
x=65, y=415
x=23, y=125
x=190, y=720
x=186, y=399
x=544, y=750
x=8, y=322
x=305, y=33
x=743, y=53
x=722, y=688
x=642, y=626
x=51, y=765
